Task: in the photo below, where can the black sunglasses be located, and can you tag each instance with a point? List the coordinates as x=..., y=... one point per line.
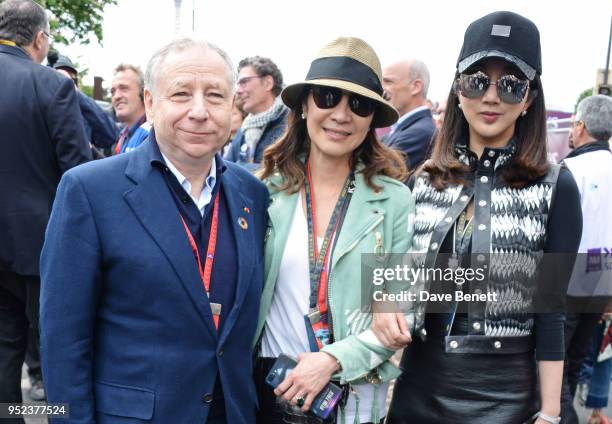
x=510, y=89
x=329, y=97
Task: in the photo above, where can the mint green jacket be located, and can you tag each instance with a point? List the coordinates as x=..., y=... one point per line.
x=384, y=217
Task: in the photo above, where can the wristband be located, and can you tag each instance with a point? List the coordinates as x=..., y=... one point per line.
x=548, y=418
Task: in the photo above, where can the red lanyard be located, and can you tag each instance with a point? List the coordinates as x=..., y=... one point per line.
x=322, y=291
x=125, y=133
x=206, y=272
x=122, y=137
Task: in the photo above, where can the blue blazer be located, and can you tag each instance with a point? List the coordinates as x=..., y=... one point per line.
x=99, y=127
x=41, y=137
x=413, y=138
x=127, y=334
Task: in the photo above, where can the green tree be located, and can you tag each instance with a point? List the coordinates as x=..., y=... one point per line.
x=76, y=20
x=586, y=93
x=87, y=89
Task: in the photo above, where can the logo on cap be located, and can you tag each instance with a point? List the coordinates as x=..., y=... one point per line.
x=501, y=30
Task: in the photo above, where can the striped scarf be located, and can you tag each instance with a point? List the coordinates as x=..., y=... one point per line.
x=254, y=125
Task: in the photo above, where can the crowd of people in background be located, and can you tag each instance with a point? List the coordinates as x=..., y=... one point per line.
x=159, y=257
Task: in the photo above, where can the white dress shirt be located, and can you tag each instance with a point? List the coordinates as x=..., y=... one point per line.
x=206, y=194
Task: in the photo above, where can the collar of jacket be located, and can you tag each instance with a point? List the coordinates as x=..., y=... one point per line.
x=589, y=147
x=357, y=221
x=500, y=156
x=9, y=47
x=410, y=120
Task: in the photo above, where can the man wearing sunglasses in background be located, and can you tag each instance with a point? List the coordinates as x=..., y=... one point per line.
x=406, y=84
x=259, y=85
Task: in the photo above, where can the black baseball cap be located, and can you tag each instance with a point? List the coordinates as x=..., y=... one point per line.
x=65, y=62
x=506, y=35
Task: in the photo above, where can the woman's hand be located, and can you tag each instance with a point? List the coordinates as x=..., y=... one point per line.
x=391, y=329
x=307, y=379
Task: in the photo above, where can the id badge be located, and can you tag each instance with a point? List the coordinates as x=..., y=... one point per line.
x=215, y=308
x=317, y=330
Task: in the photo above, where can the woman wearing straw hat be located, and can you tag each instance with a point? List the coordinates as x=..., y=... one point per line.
x=489, y=200
x=335, y=194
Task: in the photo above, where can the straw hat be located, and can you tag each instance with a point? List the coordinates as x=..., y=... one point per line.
x=350, y=64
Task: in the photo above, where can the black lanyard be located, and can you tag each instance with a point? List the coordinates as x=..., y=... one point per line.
x=318, y=260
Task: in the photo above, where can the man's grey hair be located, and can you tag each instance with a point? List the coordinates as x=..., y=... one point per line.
x=596, y=113
x=21, y=20
x=264, y=67
x=418, y=70
x=122, y=67
x=157, y=60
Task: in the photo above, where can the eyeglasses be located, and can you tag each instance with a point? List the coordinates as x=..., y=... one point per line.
x=49, y=36
x=576, y=124
x=329, y=97
x=242, y=82
x=510, y=89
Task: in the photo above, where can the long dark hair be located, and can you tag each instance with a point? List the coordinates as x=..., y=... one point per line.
x=283, y=156
x=529, y=163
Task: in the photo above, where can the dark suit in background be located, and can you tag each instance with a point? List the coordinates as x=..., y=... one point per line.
x=41, y=136
x=413, y=137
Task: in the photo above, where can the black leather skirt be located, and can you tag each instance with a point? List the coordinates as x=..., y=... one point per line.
x=439, y=387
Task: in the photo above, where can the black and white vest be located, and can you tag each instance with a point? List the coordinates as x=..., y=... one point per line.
x=508, y=239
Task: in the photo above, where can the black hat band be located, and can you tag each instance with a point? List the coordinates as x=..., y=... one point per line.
x=346, y=69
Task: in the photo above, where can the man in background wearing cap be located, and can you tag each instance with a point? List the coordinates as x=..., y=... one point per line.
x=590, y=288
x=41, y=138
x=259, y=85
x=100, y=130
x=127, y=93
x=406, y=84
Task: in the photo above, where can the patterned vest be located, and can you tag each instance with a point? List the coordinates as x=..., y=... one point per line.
x=509, y=234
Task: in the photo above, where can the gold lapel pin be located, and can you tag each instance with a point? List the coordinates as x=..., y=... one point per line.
x=243, y=223
x=247, y=210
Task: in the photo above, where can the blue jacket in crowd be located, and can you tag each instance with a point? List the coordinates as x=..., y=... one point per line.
x=271, y=133
x=99, y=127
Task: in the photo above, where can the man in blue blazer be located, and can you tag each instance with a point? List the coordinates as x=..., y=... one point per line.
x=152, y=266
x=40, y=138
x=406, y=84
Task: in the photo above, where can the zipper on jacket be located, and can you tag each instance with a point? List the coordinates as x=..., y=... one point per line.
x=331, y=273
x=353, y=244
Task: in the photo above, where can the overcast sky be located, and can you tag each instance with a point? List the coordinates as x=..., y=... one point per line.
x=574, y=35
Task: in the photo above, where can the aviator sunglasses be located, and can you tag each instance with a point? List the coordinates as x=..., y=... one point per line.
x=329, y=97
x=510, y=89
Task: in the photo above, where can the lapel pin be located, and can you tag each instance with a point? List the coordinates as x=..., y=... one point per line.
x=247, y=210
x=243, y=223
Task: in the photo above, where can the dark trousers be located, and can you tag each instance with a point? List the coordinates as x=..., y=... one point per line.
x=579, y=328
x=217, y=414
x=32, y=358
x=18, y=316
